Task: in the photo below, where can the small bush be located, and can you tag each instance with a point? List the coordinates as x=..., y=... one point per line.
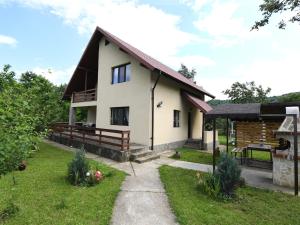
x=223, y=183
x=209, y=184
x=9, y=211
x=229, y=175
x=78, y=168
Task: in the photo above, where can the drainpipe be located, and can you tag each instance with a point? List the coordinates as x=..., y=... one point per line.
x=152, y=113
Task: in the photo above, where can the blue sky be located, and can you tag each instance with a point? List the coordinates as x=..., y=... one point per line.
x=212, y=36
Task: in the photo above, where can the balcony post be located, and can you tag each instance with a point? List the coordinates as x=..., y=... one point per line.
x=72, y=116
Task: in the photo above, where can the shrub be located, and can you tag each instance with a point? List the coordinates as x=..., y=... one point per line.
x=209, y=184
x=228, y=173
x=78, y=168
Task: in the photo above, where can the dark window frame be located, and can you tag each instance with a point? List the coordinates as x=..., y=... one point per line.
x=125, y=74
x=125, y=122
x=176, y=118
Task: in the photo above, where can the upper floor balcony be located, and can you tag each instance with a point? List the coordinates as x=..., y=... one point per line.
x=85, y=96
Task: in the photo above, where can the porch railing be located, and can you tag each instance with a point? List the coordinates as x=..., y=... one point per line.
x=84, y=96
x=116, y=138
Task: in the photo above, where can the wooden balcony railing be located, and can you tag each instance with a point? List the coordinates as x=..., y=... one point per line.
x=116, y=138
x=85, y=96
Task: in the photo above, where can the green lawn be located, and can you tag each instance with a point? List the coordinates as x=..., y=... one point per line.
x=42, y=187
x=252, y=206
x=222, y=139
x=192, y=155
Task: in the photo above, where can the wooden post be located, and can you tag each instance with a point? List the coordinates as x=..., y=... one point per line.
x=122, y=141
x=100, y=133
x=128, y=141
x=203, y=129
x=295, y=154
x=227, y=134
x=214, y=145
x=71, y=136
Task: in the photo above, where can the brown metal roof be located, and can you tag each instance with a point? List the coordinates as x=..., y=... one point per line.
x=197, y=102
x=143, y=58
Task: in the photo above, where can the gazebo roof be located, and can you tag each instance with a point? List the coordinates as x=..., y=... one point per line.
x=235, y=111
x=249, y=111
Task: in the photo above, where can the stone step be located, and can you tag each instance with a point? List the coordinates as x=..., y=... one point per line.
x=140, y=154
x=192, y=146
x=137, y=148
x=146, y=158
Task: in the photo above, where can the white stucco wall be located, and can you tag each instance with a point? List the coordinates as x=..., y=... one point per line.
x=91, y=115
x=168, y=92
x=135, y=93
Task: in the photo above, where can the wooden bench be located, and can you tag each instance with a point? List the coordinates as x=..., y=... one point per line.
x=240, y=151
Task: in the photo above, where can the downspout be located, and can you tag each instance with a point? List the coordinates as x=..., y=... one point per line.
x=152, y=113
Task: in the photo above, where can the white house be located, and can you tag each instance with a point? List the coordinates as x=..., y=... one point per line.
x=125, y=89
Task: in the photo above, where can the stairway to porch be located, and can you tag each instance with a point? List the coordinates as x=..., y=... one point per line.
x=141, y=153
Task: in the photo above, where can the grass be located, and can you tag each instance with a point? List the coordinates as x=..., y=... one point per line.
x=252, y=206
x=196, y=156
x=45, y=197
x=222, y=139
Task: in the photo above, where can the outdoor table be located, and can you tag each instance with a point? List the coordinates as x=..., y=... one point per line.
x=260, y=147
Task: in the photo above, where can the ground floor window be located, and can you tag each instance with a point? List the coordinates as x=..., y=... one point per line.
x=176, y=118
x=119, y=116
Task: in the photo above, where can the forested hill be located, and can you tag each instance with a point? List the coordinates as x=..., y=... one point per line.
x=289, y=97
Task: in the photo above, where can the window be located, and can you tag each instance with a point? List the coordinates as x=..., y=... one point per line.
x=119, y=116
x=121, y=73
x=176, y=118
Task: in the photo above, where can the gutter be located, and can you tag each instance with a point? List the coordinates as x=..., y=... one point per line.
x=152, y=113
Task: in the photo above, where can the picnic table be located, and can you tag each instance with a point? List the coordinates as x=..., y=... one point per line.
x=259, y=147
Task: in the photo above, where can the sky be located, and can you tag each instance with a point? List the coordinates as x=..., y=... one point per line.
x=211, y=36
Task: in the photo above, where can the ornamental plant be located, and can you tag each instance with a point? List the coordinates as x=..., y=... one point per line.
x=229, y=175
x=223, y=183
x=78, y=168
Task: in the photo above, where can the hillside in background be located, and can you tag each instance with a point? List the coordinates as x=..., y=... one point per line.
x=290, y=97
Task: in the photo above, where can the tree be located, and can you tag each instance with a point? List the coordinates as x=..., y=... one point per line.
x=190, y=74
x=247, y=93
x=290, y=97
x=27, y=107
x=270, y=7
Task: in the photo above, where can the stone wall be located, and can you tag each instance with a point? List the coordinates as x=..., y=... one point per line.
x=283, y=172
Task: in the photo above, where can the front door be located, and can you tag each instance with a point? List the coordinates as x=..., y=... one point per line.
x=189, y=125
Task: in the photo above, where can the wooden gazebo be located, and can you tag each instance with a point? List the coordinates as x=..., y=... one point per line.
x=254, y=123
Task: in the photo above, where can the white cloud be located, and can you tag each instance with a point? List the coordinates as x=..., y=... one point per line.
x=56, y=76
x=7, y=40
x=222, y=24
x=195, y=5
x=145, y=27
x=281, y=75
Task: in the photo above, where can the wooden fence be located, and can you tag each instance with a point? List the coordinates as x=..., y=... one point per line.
x=256, y=132
x=117, y=138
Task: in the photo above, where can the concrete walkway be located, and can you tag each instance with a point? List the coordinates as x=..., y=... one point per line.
x=143, y=201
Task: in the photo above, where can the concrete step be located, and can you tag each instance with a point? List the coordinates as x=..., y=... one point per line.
x=192, y=146
x=146, y=158
x=134, y=148
x=140, y=154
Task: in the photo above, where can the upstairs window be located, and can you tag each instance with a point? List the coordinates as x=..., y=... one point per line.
x=121, y=73
x=119, y=116
x=176, y=118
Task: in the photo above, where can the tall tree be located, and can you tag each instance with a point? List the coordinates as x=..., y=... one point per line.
x=270, y=7
x=247, y=93
x=190, y=74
